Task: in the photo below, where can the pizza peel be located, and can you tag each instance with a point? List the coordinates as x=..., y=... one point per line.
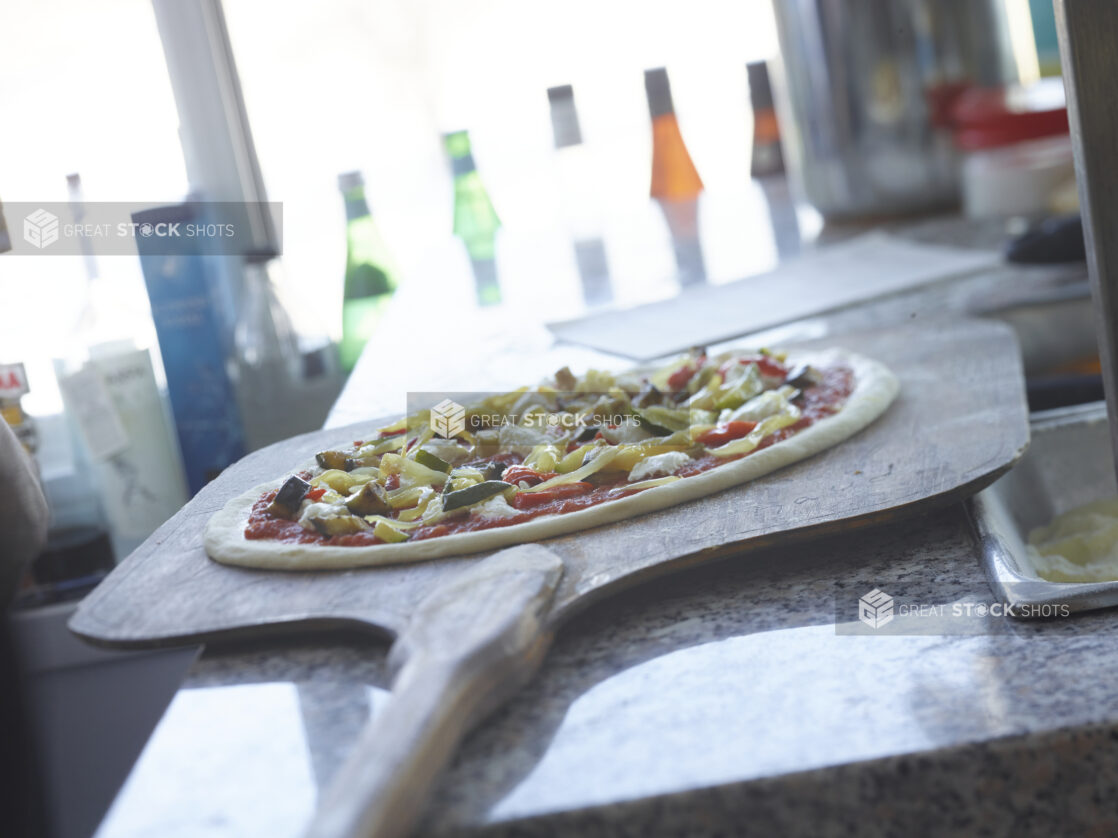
x=468, y=631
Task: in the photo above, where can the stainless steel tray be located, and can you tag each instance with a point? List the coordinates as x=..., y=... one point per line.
x=1068, y=464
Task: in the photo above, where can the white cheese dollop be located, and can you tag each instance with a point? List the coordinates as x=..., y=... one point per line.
x=319, y=510
x=494, y=507
x=659, y=465
x=520, y=439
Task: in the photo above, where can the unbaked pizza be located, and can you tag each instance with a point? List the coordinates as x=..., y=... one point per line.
x=575, y=452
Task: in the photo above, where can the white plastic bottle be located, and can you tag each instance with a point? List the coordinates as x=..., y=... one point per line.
x=109, y=389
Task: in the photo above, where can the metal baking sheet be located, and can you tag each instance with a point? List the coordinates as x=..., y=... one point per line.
x=1068, y=464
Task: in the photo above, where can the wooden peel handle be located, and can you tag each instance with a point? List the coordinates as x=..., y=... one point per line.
x=470, y=645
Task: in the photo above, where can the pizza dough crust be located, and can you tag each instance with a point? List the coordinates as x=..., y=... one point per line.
x=875, y=388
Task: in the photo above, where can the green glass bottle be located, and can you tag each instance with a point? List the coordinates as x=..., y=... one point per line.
x=475, y=220
x=370, y=279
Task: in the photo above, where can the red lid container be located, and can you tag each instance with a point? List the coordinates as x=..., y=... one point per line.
x=992, y=117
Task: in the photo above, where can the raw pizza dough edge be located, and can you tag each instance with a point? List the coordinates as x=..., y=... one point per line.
x=875, y=388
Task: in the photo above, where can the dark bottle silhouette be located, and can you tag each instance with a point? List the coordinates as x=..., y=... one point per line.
x=573, y=160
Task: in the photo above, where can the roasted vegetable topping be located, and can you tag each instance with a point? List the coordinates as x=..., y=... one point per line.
x=678, y=379
x=473, y=494
x=565, y=379
x=665, y=419
x=521, y=474
x=426, y=458
x=493, y=471
x=648, y=395
x=576, y=441
x=388, y=533
x=338, y=524
x=725, y=433
x=335, y=459
x=289, y=496
x=525, y=500
x=371, y=499
x=803, y=375
x=588, y=434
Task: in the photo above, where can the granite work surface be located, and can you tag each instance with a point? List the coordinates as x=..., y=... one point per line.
x=738, y=697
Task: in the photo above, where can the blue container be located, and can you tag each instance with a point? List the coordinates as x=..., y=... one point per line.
x=192, y=340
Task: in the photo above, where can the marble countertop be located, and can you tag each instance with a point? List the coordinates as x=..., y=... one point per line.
x=742, y=696
x=720, y=697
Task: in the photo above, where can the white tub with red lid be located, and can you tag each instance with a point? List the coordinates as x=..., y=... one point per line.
x=1016, y=148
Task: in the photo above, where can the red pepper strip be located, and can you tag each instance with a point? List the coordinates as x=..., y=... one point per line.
x=529, y=500
x=522, y=474
x=725, y=433
x=357, y=443
x=678, y=379
x=767, y=365
x=386, y=434
x=316, y=493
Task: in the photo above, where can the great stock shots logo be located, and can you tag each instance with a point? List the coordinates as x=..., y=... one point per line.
x=448, y=419
x=40, y=228
x=123, y=228
x=875, y=609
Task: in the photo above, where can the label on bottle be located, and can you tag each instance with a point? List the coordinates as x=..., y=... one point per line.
x=116, y=404
x=13, y=381
x=97, y=418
